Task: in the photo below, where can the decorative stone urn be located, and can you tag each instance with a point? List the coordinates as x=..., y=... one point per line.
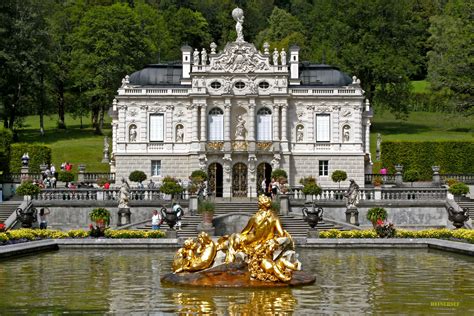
x=170, y=217
x=313, y=216
x=458, y=217
x=28, y=217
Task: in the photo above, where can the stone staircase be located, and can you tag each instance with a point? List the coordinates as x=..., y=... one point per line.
x=296, y=226
x=7, y=208
x=470, y=205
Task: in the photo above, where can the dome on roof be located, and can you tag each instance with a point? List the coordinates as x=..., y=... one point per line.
x=323, y=75
x=159, y=74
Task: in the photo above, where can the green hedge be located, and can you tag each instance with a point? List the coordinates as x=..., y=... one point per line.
x=452, y=157
x=38, y=154
x=6, y=137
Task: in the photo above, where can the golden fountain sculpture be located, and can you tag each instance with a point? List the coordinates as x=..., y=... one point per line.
x=263, y=249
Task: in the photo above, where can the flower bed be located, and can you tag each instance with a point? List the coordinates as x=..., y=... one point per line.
x=27, y=234
x=466, y=235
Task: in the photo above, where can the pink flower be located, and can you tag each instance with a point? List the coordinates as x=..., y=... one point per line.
x=379, y=222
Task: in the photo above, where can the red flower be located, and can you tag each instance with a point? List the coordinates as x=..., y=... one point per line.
x=2, y=227
x=90, y=226
x=379, y=222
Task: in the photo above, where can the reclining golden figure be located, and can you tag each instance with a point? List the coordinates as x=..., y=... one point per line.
x=263, y=244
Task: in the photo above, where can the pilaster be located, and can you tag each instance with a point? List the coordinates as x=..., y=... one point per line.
x=227, y=140
x=169, y=123
x=276, y=122
x=203, y=123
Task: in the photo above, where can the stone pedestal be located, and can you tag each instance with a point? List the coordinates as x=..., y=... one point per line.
x=398, y=175
x=313, y=233
x=124, y=216
x=436, y=177
x=352, y=215
x=24, y=173
x=207, y=228
x=193, y=204
x=284, y=205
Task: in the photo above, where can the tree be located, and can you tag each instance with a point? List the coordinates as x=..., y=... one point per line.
x=108, y=43
x=24, y=43
x=137, y=176
x=450, y=65
x=338, y=176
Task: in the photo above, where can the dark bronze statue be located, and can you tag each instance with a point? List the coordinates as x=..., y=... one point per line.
x=27, y=217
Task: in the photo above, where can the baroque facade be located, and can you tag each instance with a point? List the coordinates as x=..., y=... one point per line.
x=239, y=114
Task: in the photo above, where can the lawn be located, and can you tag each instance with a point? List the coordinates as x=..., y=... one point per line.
x=75, y=145
x=421, y=126
x=82, y=146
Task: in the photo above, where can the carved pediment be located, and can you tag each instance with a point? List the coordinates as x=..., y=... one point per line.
x=239, y=58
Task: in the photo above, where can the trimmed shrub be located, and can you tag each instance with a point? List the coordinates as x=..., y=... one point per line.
x=458, y=189
x=171, y=187
x=338, y=176
x=452, y=157
x=206, y=206
x=137, y=176
x=39, y=154
x=28, y=188
x=411, y=175
x=198, y=175
x=278, y=173
x=66, y=176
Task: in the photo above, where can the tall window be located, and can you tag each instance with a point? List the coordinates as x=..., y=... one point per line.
x=323, y=168
x=264, y=124
x=156, y=127
x=216, y=124
x=322, y=128
x=156, y=168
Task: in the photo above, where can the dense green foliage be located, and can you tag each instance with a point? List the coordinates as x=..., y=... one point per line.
x=198, y=175
x=70, y=56
x=100, y=214
x=28, y=188
x=171, y=186
x=411, y=175
x=376, y=213
x=452, y=157
x=338, y=176
x=5, y=145
x=66, y=176
x=206, y=206
x=279, y=173
x=137, y=176
x=38, y=154
x=458, y=188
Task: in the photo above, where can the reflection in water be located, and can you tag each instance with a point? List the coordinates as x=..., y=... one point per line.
x=239, y=302
x=348, y=281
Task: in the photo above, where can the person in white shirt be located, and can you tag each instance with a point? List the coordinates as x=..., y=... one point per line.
x=155, y=220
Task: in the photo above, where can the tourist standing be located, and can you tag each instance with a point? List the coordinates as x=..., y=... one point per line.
x=43, y=219
x=274, y=185
x=155, y=220
x=151, y=184
x=53, y=170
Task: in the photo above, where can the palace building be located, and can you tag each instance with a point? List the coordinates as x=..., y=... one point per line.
x=239, y=114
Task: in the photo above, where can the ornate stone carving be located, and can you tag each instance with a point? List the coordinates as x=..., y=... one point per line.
x=215, y=146
x=239, y=57
x=346, y=133
x=202, y=162
x=240, y=129
x=346, y=113
x=275, y=57
x=300, y=116
x=203, y=57
x=213, y=48
x=283, y=57
x=239, y=145
x=156, y=109
x=132, y=112
x=299, y=133
x=276, y=161
x=196, y=57
x=264, y=146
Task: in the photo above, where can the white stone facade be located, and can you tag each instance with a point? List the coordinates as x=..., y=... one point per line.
x=289, y=118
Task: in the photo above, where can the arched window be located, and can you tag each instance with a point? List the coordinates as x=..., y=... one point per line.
x=264, y=124
x=216, y=124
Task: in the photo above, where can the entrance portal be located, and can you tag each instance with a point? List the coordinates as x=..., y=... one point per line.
x=239, y=180
x=264, y=171
x=216, y=179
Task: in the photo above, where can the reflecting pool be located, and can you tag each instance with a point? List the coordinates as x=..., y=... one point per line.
x=355, y=281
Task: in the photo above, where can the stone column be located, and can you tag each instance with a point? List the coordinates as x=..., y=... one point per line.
x=276, y=122
x=195, y=123
x=436, y=177
x=311, y=133
x=398, y=175
x=169, y=123
x=367, y=137
x=284, y=122
x=251, y=132
x=227, y=145
x=203, y=123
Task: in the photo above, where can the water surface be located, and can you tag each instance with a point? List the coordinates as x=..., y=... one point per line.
x=355, y=281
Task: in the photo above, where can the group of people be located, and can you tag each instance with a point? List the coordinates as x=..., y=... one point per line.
x=49, y=178
x=272, y=189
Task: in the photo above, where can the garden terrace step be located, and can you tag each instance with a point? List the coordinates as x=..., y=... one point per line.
x=470, y=205
x=7, y=208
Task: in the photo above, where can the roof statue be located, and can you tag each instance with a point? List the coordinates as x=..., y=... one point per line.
x=238, y=15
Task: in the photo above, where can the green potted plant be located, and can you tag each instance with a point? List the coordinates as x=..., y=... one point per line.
x=411, y=175
x=376, y=213
x=100, y=216
x=66, y=176
x=458, y=189
x=28, y=189
x=310, y=187
x=279, y=173
x=338, y=176
x=206, y=208
x=171, y=186
x=137, y=176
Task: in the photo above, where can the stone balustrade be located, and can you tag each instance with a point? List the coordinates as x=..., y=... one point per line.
x=91, y=177
x=467, y=178
x=154, y=91
x=64, y=194
x=320, y=91
x=296, y=193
